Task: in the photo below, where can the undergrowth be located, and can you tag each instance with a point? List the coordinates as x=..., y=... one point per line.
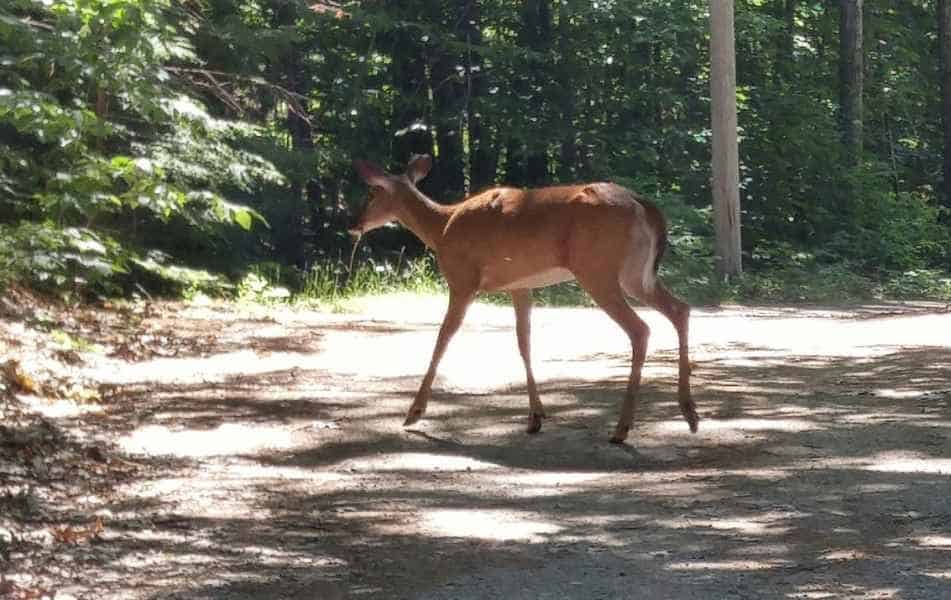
x=332, y=286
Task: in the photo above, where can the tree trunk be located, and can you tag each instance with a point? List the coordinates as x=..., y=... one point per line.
x=409, y=120
x=482, y=154
x=726, y=192
x=448, y=180
x=536, y=170
x=851, y=77
x=568, y=159
x=944, y=30
x=527, y=163
x=413, y=134
x=785, y=57
x=515, y=162
x=292, y=234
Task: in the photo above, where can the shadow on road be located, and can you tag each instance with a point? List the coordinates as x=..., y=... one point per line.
x=812, y=476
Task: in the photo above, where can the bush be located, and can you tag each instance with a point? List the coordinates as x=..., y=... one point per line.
x=920, y=284
x=54, y=258
x=86, y=177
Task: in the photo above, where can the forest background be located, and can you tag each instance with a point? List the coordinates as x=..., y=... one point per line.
x=204, y=147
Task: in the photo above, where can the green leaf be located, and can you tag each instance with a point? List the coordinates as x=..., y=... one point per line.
x=243, y=218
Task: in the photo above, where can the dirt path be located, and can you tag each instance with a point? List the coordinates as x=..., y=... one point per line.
x=264, y=458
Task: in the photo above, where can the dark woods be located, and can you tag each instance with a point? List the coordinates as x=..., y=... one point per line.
x=137, y=133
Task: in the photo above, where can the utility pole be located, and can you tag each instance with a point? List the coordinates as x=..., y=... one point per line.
x=726, y=162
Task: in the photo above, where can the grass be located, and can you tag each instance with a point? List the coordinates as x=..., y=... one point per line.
x=420, y=276
x=836, y=284
x=70, y=342
x=331, y=286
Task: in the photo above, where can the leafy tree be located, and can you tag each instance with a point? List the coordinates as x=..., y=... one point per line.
x=136, y=133
x=101, y=149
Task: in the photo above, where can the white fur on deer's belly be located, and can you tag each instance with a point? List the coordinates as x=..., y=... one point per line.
x=535, y=280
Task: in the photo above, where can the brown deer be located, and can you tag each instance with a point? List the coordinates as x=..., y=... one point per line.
x=504, y=239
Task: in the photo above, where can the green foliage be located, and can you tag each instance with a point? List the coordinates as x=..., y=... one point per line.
x=205, y=147
x=100, y=150
x=175, y=279
x=58, y=258
x=71, y=342
x=332, y=282
x=325, y=284
x=803, y=282
x=918, y=285
x=255, y=288
x=894, y=232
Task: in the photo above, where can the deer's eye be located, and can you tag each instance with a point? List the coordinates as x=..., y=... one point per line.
x=375, y=190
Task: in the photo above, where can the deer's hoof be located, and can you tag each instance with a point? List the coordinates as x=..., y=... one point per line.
x=413, y=417
x=534, y=423
x=693, y=421
x=620, y=435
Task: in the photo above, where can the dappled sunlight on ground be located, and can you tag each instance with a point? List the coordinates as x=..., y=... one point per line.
x=903, y=462
x=226, y=439
x=822, y=468
x=418, y=461
x=935, y=541
x=494, y=525
x=946, y=575
x=846, y=592
x=743, y=425
x=728, y=565
x=215, y=368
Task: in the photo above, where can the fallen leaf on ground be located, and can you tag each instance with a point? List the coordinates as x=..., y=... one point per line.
x=70, y=535
x=125, y=352
x=11, y=591
x=15, y=374
x=70, y=357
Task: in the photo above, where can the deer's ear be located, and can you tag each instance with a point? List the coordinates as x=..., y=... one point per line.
x=419, y=167
x=372, y=174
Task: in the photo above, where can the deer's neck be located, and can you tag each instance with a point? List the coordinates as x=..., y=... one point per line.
x=424, y=217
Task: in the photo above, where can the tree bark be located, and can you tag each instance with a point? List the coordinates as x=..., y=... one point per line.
x=291, y=236
x=785, y=57
x=944, y=39
x=515, y=162
x=527, y=163
x=568, y=159
x=726, y=191
x=851, y=77
x=448, y=180
x=482, y=154
x=409, y=118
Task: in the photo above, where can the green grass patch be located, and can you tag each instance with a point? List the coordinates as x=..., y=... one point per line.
x=71, y=342
x=333, y=286
x=330, y=286
x=834, y=284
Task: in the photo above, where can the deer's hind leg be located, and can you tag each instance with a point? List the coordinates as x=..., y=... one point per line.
x=639, y=281
x=678, y=312
x=522, y=300
x=607, y=293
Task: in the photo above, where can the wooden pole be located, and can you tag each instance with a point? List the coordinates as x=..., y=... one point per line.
x=726, y=171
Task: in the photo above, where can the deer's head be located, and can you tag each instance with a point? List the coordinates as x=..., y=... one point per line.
x=388, y=193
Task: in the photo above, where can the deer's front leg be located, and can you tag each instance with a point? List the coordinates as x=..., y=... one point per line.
x=458, y=303
x=522, y=300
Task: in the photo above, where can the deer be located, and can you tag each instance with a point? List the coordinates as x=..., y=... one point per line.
x=604, y=236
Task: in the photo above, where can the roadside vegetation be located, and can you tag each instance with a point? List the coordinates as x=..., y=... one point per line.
x=151, y=148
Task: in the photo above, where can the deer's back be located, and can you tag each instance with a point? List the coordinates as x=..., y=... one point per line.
x=519, y=235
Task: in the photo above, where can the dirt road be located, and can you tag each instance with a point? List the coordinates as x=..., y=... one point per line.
x=268, y=459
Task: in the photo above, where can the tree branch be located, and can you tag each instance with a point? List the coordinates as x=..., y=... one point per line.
x=209, y=79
